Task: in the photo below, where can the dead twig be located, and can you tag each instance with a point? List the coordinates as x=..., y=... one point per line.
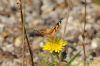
x=84, y=36
x=25, y=33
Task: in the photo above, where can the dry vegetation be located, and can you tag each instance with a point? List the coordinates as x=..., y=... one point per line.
x=80, y=28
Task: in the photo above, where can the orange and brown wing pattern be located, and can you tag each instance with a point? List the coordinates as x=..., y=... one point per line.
x=52, y=32
x=49, y=32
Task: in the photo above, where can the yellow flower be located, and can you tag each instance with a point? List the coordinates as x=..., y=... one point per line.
x=54, y=45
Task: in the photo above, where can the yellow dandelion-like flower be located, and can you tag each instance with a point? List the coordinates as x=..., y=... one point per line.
x=55, y=45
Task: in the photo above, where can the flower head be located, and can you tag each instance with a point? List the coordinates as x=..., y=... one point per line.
x=54, y=45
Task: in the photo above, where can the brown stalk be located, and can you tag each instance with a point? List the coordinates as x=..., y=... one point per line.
x=66, y=3
x=25, y=33
x=84, y=36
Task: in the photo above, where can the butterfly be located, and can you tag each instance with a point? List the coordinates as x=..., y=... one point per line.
x=51, y=32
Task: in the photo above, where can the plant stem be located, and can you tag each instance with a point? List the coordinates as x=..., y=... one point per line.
x=25, y=34
x=84, y=36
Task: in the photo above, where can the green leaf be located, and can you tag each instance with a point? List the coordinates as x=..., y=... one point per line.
x=53, y=64
x=72, y=59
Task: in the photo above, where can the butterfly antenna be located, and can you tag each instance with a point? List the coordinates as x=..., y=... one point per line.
x=60, y=20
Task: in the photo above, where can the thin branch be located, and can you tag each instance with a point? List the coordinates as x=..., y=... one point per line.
x=22, y=23
x=66, y=22
x=25, y=33
x=84, y=35
x=69, y=8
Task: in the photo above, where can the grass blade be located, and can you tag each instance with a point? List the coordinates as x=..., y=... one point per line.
x=72, y=59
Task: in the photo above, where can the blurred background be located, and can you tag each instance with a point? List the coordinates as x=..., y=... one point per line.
x=41, y=14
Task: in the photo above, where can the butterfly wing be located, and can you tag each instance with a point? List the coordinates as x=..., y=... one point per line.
x=48, y=32
x=51, y=32
x=35, y=33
